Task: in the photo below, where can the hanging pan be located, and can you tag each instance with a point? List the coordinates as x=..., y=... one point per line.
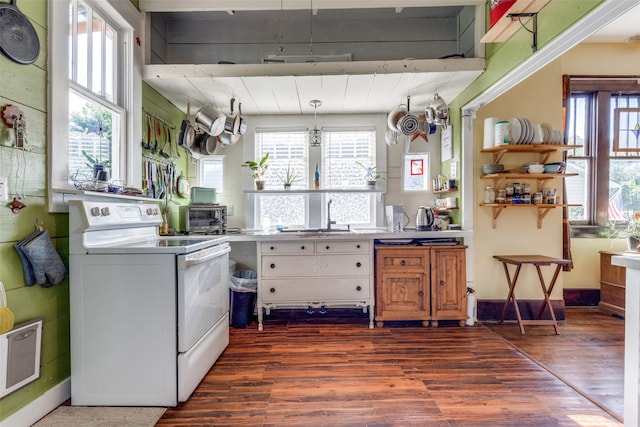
x=18, y=39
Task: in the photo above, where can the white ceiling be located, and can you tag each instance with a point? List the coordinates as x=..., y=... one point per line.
x=354, y=87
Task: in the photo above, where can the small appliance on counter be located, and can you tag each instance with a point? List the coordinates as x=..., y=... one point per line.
x=203, y=215
x=424, y=218
x=395, y=217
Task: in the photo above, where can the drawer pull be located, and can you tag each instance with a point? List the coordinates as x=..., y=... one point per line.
x=328, y=247
x=302, y=247
x=420, y=293
x=358, y=288
x=272, y=248
x=441, y=282
x=358, y=264
x=272, y=290
x=402, y=262
x=357, y=246
x=273, y=266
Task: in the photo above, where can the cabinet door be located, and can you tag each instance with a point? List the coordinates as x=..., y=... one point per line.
x=404, y=294
x=448, y=283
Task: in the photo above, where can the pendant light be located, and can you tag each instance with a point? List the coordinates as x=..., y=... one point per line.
x=315, y=135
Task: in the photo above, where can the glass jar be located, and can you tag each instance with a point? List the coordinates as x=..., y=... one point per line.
x=489, y=195
x=501, y=196
x=537, y=198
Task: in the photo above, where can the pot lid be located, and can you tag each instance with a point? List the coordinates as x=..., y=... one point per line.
x=18, y=39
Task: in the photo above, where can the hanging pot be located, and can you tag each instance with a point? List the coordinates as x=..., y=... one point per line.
x=242, y=128
x=395, y=115
x=232, y=121
x=208, y=144
x=18, y=39
x=225, y=138
x=210, y=119
x=437, y=112
x=408, y=124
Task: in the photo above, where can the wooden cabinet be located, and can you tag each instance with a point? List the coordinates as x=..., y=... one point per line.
x=315, y=273
x=612, y=285
x=426, y=283
x=543, y=151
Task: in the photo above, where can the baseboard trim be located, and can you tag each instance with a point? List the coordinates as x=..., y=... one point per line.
x=38, y=408
x=492, y=309
x=581, y=297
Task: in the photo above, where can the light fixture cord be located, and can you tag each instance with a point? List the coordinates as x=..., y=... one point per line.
x=311, y=29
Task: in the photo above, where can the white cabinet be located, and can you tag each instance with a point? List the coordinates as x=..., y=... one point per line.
x=315, y=273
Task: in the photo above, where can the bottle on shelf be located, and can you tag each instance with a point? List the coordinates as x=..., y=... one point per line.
x=316, y=180
x=489, y=195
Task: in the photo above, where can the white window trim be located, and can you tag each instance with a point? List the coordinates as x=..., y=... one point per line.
x=125, y=15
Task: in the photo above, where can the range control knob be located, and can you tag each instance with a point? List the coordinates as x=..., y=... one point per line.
x=105, y=211
x=95, y=211
x=150, y=211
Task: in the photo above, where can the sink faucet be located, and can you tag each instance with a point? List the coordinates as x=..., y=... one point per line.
x=329, y=222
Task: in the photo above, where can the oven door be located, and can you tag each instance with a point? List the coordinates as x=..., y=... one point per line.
x=203, y=292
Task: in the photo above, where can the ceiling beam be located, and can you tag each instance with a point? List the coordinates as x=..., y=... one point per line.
x=236, y=5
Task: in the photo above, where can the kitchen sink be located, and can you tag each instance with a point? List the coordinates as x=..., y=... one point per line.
x=316, y=230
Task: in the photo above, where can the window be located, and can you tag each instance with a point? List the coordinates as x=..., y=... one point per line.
x=336, y=159
x=211, y=173
x=94, y=79
x=603, y=116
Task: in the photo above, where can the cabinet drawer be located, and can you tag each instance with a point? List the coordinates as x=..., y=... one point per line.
x=314, y=266
x=342, y=247
x=413, y=261
x=314, y=290
x=612, y=294
x=287, y=247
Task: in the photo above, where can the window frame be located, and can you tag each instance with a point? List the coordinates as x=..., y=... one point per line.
x=128, y=22
x=597, y=141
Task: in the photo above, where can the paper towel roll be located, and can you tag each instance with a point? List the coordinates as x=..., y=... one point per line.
x=489, y=131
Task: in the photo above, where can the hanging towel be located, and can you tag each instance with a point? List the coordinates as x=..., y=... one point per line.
x=42, y=260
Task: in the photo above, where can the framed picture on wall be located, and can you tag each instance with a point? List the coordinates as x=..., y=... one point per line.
x=415, y=176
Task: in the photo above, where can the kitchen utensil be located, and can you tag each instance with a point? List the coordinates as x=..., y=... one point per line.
x=391, y=137
x=18, y=39
x=408, y=124
x=242, y=128
x=183, y=187
x=437, y=112
x=536, y=168
x=208, y=144
x=210, y=119
x=424, y=218
x=395, y=115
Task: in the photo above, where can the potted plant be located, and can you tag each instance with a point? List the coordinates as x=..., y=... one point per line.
x=290, y=176
x=631, y=232
x=371, y=174
x=99, y=167
x=258, y=169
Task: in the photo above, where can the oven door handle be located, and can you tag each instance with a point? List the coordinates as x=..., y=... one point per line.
x=206, y=255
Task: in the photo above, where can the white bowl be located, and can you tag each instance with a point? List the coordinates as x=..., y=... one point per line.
x=536, y=168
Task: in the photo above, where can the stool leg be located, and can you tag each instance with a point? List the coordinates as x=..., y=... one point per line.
x=512, y=296
x=547, y=293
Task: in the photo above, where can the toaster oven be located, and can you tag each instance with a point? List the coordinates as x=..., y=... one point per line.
x=203, y=218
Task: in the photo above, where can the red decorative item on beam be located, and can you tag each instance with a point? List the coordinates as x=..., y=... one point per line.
x=497, y=9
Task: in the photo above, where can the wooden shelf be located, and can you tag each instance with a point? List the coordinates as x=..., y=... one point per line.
x=506, y=26
x=544, y=150
x=543, y=209
x=451, y=190
x=541, y=178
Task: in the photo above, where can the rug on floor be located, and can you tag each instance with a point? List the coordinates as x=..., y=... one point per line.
x=101, y=416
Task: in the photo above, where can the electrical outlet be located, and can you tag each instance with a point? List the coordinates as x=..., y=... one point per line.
x=4, y=189
x=229, y=210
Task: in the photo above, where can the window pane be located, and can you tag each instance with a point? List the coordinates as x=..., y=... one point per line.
x=70, y=46
x=351, y=208
x=341, y=149
x=286, y=150
x=577, y=189
x=93, y=132
x=82, y=43
x=578, y=130
x=624, y=188
x=96, y=55
x=288, y=210
x=109, y=63
x=212, y=173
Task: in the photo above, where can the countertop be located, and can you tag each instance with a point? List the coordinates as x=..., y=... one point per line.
x=367, y=233
x=628, y=260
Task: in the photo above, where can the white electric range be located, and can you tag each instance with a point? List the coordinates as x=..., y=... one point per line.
x=149, y=313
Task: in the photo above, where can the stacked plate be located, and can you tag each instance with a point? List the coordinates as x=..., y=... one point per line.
x=492, y=168
x=520, y=131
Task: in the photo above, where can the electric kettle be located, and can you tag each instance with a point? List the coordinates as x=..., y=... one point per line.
x=424, y=218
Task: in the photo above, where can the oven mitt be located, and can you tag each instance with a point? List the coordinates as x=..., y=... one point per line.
x=48, y=268
x=27, y=269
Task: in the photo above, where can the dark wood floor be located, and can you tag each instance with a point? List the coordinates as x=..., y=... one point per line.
x=333, y=371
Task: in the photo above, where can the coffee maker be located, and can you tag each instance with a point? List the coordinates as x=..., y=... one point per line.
x=395, y=217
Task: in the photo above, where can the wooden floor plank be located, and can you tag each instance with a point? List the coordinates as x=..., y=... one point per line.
x=330, y=371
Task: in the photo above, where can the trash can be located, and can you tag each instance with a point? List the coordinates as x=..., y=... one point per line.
x=243, y=285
